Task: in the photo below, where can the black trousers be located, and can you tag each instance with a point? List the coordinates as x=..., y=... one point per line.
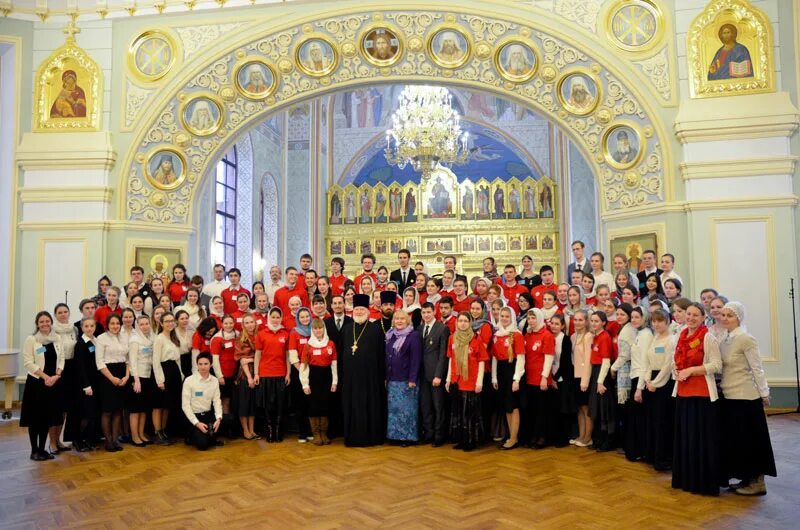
x=200, y=439
x=432, y=411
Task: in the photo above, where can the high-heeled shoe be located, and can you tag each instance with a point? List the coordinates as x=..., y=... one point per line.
x=509, y=447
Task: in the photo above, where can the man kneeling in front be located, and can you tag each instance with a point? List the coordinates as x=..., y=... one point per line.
x=200, y=394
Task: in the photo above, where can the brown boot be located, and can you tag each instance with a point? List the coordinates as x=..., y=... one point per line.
x=315, y=430
x=323, y=430
x=756, y=487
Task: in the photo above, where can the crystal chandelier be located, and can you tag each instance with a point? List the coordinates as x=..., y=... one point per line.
x=426, y=131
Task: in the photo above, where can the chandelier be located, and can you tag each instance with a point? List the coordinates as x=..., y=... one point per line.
x=426, y=131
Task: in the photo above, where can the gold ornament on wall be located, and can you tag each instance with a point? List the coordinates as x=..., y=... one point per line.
x=729, y=49
x=382, y=45
x=316, y=56
x=635, y=25
x=152, y=55
x=202, y=115
x=255, y=78
x=623, y=145
x=516, y=60
x=449, y=46
x=166, y=168
x=579, y=91
x=69, y=88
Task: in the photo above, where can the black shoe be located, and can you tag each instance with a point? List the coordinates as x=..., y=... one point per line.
x=437, y=443
x=509, y=447
x=458, y=446
x=138, y=444
x=219, y=443
x=124, y=439
x=469, y=447
x=46, y=456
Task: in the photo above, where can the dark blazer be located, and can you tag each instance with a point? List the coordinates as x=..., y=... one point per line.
x=565, y=369
x=642, y=276
x=434, y=351
x=404, y=365
x=587, y=267
x=397, y=277
x=334, y=334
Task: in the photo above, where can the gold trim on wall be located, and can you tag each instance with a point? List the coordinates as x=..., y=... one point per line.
x=132, y=244
x=139, y=41
x=647, y=5
x=769, y=228
x=212, y=99
x=659, y=229
x=434, y=32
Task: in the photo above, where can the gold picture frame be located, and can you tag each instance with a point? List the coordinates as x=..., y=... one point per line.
x=744, y=34
x=248, y=66
x=460, y=51
x=635, y=25
x=327, y=62
x=68, y=95
x=618, y=156
x=196, y=122
x=569, y=82
x=369, y=44
x=152, y=55
x=516, y=73
x=159, y=175
x=157, y=261
x=632, y=246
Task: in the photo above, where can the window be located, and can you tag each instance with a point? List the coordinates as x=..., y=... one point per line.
x=269, y=221
x=225, y=222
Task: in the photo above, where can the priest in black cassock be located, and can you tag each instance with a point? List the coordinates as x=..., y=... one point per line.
x=362, y=367
x=388, y=301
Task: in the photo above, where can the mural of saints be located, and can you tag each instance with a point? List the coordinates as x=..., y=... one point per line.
x=499, y=199
x=336, y=209
x=395, y=204
x=380, y=207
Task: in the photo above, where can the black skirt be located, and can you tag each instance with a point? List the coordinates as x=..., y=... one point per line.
x=141, y=401
x=271, y=394
x=567, y=400
x=40, y=408
x=538, y=418
x=660, y=425
x=635, y=441
x=320, y=379
x=602, y=407
x=112, y=398
x=581, y=398
x=170, y=397
x=506, y=399
x=186, y=364
x=245, y=398
x=66, y=385
x=746, y=446
x=695, y=463
x=466, y=425
x=226, y=390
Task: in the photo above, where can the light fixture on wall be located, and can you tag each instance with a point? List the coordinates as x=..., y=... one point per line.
x=426, y=131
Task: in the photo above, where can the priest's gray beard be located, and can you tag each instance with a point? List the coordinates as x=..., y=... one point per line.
x=360, y=320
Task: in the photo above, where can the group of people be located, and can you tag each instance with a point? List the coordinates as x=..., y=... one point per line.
x=607, y=361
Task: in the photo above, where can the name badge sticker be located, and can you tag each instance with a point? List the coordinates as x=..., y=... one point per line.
x=184, y=288
x=199, y=393
x=695, y=343
x=91, y=349
x=229, y=344
x=147, y=350
x=40, y=349
x=317, y=352
x=660, y=349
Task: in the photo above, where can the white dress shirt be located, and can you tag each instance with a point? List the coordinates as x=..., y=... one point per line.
x=140, y=356
x=163, y=350
x=199, y=395
x=215, y=288
x=110, y=349
x=270, y=289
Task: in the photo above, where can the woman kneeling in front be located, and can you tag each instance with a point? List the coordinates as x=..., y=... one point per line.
x=200, y=394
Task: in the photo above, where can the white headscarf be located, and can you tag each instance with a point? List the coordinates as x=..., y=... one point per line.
x=738, y=309
x=511, y=328
x=415, y=304
x=539, y=319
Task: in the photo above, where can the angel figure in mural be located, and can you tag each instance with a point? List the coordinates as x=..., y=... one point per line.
x=530, y=202
x=480, y=153
x=411, y=206
x=336, y=209
x=546, y=202
x=440, y=204
x=483, y=202
x=395, y=204
x=467, y=202
x=499, y=200
x=350, y=208
x=732, y=60
x=514, y=202
x=366, y=206
x=71, y=101
x=380, y=207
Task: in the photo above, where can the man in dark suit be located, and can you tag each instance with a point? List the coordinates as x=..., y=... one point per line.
x=581, y=263
x=434, y=372
x=449, y=263
x=334, y=326
x=650, y=267
x=405, y=275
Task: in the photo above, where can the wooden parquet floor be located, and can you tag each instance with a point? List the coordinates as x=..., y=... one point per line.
x=289, y=485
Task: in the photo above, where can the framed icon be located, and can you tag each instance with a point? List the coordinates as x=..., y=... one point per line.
x=622, y=146
x=578, y=92
x=202, y=115
x=166, y=168
x=381, y=46
x=449, y=47
x=316, y=57
x=516, y=61
x=255, y=79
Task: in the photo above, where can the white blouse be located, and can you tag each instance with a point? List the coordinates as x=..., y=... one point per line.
x=163, y=350
x=110, y=349
x=140, y=359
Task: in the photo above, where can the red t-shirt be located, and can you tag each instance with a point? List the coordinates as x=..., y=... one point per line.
x=477, y=353
x=590, y=301
x=485, y=334
x=511, y=294
x=238, y=316
x=200, y=343
x=225, y=348
x=601, y=347
x=288, y=321
x=314, y=356
x=102, y=314
x=283, y=294
x=537, y=345
x=357, y=280
x=538, y=292
x=690, y=351
x=462, y=305
x=297, y=342
x=337, y=284
x=261, y=320
x=229, y=296
x=613, y=328
x=177, y=290
x=273, y=345
x=500, y=346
